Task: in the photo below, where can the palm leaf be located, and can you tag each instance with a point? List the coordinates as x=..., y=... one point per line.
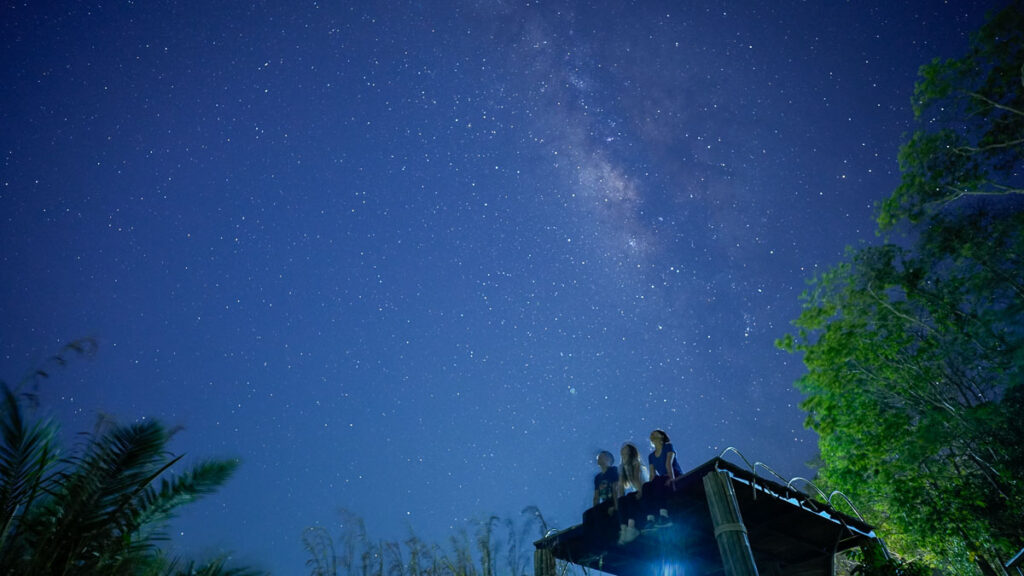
x=27, y=452
x=97, y=511
x=154, y=507
x=78, y=524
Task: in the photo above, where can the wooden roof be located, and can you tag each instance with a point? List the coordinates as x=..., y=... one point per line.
x=789, y=533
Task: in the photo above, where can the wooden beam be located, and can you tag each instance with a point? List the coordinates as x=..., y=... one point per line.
x=730, y=533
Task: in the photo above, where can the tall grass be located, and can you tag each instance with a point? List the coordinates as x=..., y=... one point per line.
x=494, y=546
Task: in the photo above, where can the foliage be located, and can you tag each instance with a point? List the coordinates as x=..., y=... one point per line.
x=873, y=561
x=970, y=113
x=498, y=547
x=98, y=510
x=915, y=352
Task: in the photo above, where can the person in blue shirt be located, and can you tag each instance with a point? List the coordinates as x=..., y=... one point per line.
x=664, y=469
x=663, y=459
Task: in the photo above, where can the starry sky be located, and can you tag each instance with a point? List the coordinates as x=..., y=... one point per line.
x=421, y=260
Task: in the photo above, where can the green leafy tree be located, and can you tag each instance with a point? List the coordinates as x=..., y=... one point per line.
x=915, y=351
x=970, y=114
x=99, y=510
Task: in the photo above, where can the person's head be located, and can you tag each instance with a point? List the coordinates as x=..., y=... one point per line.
x=629, y=453
x=632, y=469
x=605, y=459
x=659, y=438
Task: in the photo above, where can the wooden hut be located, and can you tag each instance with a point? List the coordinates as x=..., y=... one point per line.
x=725, y=520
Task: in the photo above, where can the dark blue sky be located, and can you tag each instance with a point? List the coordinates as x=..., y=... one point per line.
x=423, y=260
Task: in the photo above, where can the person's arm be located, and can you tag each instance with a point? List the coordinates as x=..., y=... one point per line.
x=595, y=496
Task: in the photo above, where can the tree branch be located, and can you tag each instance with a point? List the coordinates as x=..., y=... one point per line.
x=958, y=193
x=975, y=149
x=887, y=305
x=995, y=104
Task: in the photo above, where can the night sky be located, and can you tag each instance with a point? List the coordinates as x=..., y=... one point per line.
x=422, y=260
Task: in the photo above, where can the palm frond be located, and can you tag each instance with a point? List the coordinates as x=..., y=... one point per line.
x=27, y=452
x=154, y=507
x=137, y=525
x=97, y=511
x=78, y=523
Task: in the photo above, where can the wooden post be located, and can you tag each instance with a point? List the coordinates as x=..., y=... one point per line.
x=543, y=562
x=730, y=533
